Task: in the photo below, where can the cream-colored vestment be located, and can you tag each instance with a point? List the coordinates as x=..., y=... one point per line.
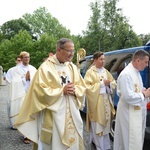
x=17, y=88
x=131, y=111
x=53, y=119
x=100, y=108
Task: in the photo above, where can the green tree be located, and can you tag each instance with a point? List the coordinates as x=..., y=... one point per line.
x=42, y=48
x=108, y=29
x=42, y=22
x=144, y=38
x=7, y=56
x=11, y=48
x=1, y=37
x=120, y=33
x=10, y=28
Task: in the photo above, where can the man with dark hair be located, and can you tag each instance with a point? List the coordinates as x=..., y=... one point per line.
x=9, y=72
x=100, y=110
x=9, y=76
x=131, y=109
x=53, y=119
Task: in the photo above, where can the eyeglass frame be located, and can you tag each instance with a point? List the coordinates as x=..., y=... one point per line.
x=18, y=59
x=26, y=57
x=69, y=51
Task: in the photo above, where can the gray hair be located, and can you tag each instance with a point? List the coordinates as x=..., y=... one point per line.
x=61, y=43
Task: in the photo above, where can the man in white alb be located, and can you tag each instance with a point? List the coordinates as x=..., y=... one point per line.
x=9, y=79
x=9, y=72
x=131, y=109
x=19, y=81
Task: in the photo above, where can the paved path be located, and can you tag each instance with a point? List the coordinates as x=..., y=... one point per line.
x=12, y=139
x=9, y=139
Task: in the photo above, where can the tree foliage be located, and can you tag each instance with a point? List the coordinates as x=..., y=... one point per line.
x=108, y=29
x=38, y=33
x=11, y=48
x=41, y=21
x=12, y=27
x=144, y=38
x=45, y=29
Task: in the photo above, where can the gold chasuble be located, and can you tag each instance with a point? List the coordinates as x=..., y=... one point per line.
x=48, y=117
x=100, y=108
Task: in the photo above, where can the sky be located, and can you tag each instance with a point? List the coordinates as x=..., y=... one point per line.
x=74, y=14
x=137, y=11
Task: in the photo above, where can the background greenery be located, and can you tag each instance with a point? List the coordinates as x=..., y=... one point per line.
x=37, y=33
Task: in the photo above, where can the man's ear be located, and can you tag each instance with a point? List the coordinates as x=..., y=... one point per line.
x=58, y=49
x=138, y=60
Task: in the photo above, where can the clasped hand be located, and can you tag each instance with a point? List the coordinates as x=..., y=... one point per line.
x=69, y=89
x=146, y=92
x=106, y=82
x=28, y=76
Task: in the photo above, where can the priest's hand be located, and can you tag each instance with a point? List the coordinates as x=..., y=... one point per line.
x=28, y=76
x=106, y=82
x=146, y=92
x=69, y=89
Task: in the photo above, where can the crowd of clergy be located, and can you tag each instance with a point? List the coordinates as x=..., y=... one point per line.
x=44, y=104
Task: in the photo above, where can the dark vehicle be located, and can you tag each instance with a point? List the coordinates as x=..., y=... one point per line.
x=115, y=62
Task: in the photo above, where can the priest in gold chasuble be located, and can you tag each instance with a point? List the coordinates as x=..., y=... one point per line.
x=51, y=119
x=100, y=109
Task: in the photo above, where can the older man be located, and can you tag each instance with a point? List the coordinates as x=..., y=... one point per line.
x=53, y=119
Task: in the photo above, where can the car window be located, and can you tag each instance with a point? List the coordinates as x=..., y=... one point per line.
x=123, y=64
x=109, y=65
x=84, y=65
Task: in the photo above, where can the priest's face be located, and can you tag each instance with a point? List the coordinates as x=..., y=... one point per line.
x=143, y=63
x=18, y=61
x=99, y=63
x=66, y=53
x=25, y=59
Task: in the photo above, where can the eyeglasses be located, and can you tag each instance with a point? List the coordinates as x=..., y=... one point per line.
x=26, y=57
x=69, y=51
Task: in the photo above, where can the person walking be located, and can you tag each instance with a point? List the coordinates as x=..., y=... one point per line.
x=100, y=109
x=53, y=119
x=9, y=75
x=19, y=78
x=9, y=72
x=131, y=109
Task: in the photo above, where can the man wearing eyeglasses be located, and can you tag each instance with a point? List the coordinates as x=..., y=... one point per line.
x=25, y=70
x=53, y=119
x=21, y=75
